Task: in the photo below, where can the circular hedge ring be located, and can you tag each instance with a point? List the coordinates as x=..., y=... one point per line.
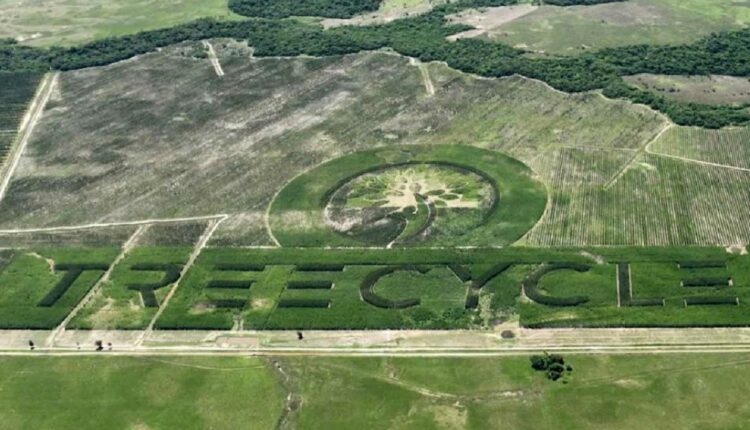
x=441, y=195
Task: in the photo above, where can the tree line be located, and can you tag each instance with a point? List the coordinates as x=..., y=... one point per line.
x=424, y=37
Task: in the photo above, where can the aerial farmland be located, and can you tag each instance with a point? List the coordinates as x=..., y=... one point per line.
x=382, y=214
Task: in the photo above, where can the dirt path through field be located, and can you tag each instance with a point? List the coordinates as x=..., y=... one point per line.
x=126, y=247
x=210, y=229
x=425, y=72
x=644, y=149
x=32, y=117
x=112, y=224
x=214, y=59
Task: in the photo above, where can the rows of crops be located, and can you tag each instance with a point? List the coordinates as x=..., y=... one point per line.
x=730, y=146
x=16, y=91
x=657, y=201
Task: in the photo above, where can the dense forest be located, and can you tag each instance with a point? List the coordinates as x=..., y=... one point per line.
x=287, y=8
x=424, y=37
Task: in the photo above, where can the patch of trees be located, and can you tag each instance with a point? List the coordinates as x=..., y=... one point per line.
x=577, y=2
x=424, y=37
x=287, y=8
x=552, y=364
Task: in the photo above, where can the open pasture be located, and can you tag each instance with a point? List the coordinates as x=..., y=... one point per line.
x=713, y=89
x=139, y=393
x=374, y=393
x=63, y=22
x=571, y=30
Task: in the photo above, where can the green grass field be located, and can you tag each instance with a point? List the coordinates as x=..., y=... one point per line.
x=614, y=392
x=65, y=22
x=568, y=31
x=138, y=393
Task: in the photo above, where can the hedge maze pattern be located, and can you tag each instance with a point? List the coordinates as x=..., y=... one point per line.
x=399, y=289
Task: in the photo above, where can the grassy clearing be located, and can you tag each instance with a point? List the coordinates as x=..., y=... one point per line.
x=615, y=392
x=203, y=145
x=138, y=393
x=712, y=89
x=116, y=305
x=61, y=22
x=570, y=30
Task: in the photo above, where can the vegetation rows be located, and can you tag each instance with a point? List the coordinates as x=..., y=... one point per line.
x=423, y=37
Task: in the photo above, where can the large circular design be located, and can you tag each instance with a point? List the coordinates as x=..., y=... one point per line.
x=442, y=195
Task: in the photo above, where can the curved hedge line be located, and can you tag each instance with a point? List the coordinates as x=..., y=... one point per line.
x=519, y=198
x=287, y=8
x=532, y=281
x=369, y=296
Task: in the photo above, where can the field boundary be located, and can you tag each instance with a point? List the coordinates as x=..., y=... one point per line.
x=126, y=247
x=199, y=246
x=30, y=119
x=113, y=224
